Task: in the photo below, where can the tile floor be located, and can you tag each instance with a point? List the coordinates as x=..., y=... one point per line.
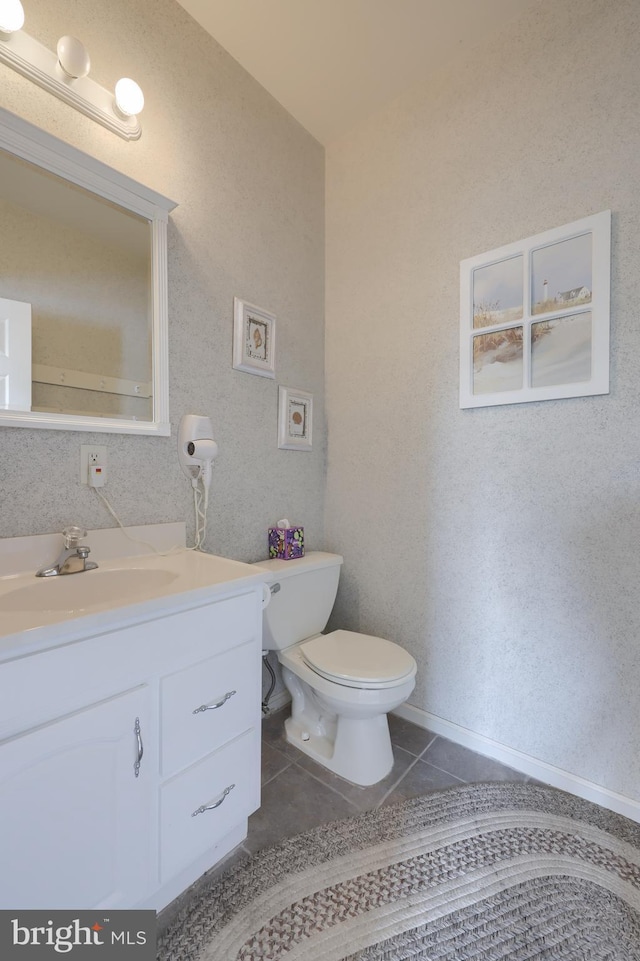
x=298, y=794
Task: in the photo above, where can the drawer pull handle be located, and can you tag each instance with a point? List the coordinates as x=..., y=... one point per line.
x=136, y=766
x=216, y=705
x=216, y=804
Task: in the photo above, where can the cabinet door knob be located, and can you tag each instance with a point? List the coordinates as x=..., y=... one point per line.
x=214, y=804
x=216, y=704
x=140, y=746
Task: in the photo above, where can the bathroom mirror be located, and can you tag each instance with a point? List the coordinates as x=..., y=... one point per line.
x=83, y=290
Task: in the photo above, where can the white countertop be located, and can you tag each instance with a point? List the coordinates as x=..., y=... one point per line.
x=191, y=579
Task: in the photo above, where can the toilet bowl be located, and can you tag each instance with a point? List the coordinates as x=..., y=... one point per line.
x=342, y=684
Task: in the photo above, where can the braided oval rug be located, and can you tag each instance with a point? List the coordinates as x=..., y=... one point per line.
x=484, y=871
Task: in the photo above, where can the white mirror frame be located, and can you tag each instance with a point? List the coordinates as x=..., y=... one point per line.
x=24, y=140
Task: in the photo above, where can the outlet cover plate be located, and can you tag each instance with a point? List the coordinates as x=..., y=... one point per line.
x=91, y=454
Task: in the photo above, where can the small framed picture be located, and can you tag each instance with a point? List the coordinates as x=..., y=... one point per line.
x=254, y=339
x=295, y=419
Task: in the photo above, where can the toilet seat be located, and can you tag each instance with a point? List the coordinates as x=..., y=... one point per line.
x=357, y=660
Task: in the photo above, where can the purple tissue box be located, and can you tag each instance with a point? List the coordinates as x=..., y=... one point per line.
x=286, y=543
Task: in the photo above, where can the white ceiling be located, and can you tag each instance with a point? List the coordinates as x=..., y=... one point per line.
x=331, y=63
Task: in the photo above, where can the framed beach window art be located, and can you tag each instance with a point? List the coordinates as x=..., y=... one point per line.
x=534, y=317
x=295, y=419
x=254, y=339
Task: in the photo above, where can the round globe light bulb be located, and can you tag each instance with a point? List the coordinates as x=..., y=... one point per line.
x=11, y=16
x=73, y=57
x=129, y=97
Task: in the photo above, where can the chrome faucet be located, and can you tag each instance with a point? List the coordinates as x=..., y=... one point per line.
x=73, y=557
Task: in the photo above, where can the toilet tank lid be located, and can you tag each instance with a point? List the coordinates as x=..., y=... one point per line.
x=312, y=560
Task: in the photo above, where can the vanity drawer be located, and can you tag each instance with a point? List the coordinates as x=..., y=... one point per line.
x=70, y=677
x=185, y=835
x=206, y=705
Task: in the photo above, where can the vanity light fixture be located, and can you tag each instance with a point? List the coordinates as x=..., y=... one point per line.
x=129, y=97
x=65, y=74
x=73, y=57
x=11, y=16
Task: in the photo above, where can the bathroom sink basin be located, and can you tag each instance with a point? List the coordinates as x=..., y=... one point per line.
x=40, y=612
x=78, y=592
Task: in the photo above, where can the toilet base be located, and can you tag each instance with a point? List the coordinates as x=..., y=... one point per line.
x=345, y=729
x=356, y=749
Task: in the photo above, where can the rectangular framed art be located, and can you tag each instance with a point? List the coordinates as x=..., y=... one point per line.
x=295, y=419
x=534, y=317
x=254, y=339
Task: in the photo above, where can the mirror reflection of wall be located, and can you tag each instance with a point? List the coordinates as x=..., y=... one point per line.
x=84, y=265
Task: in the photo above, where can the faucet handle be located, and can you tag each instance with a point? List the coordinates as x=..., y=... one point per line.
x=73, y=536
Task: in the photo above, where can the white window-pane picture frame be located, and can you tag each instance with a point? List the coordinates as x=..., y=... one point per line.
x=254, y=339
x=295, y=419
x=534, y=317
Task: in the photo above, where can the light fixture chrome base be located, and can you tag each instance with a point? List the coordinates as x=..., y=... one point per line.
x=34, y=61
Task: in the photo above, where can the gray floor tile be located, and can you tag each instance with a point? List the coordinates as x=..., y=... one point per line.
x=293, y=802
x=364, y=798
x=273, y=762
x=466, y=764
x=421, y=779
x=409, y=736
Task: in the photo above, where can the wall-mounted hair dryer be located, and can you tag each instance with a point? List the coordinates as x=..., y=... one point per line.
x=196, y=448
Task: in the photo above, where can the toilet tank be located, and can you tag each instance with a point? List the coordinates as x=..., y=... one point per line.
x=301, y=608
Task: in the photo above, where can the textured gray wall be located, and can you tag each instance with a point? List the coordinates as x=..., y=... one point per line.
x=498, y=545
x=249, y=182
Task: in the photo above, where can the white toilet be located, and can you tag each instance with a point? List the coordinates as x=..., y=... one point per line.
x=342, y=684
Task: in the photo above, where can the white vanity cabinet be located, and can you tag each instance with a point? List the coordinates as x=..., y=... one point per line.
x=130, y=758
x=73, y=817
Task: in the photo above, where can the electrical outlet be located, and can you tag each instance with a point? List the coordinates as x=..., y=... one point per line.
x=90, y=455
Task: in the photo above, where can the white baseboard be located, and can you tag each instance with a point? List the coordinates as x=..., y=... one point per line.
x=524, y=763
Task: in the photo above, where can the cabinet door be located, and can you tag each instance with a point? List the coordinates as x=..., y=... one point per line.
x=74, y=817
